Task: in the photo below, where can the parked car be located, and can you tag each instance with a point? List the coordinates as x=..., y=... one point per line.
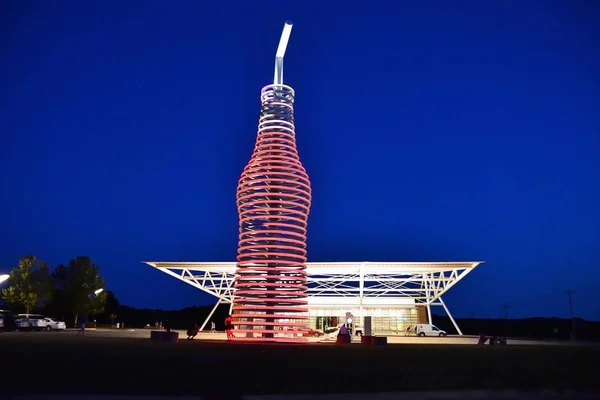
x=358, y=330
x=314, y=333
x=54, y=325
x=7, y=320
x=429, y=330
x=36, y=321
x=333, y=332
x=22, y=323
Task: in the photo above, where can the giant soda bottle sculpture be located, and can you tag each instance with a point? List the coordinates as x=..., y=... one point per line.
x=273, y=199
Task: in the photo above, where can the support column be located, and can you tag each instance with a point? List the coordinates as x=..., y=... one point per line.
x=421, y=314
x=361, y=293
x=210, y=314
x=428, y=297
x=450, y=315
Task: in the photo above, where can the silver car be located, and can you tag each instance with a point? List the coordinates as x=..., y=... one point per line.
x=54, y=325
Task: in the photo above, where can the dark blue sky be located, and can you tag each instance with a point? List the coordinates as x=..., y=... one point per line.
x=432, y=130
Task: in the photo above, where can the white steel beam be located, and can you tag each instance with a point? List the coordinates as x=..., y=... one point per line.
x=361, y=293
x=210, y=315
x=458, y=277
x=450, y=315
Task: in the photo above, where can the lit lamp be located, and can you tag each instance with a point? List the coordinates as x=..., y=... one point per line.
x=94, y=295
x=4, y=278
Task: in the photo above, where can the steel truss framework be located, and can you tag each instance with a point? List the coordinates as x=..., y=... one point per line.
x=368, y=283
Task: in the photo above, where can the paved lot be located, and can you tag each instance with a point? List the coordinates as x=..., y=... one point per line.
x=126, y=362
x=510, y=394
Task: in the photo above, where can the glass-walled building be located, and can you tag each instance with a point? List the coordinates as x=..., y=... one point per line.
x=389, y=315
x=384, y=321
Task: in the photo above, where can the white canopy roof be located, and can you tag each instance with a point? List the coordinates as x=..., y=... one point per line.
x=319, y=268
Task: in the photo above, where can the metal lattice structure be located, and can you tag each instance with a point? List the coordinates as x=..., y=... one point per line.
x=273, y=199
x=341, y=284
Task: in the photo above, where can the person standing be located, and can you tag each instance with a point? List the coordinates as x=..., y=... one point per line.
x=229, y=327
x=213, y=327
x=82, y=322
x=343, y=330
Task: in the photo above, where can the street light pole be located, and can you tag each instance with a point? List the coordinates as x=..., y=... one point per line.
x=573, y=331
x=506, y=306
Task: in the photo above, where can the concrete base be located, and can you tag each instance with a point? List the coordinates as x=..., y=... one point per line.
x=379, y=340
x=374, y=340
x=164, y=336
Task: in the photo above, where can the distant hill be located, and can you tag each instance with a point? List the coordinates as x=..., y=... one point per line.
x=539, y=328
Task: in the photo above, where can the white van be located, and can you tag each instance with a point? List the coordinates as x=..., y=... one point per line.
x=429, y=330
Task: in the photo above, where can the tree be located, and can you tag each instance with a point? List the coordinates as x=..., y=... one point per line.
x=112, y=303
x=30, y=284
x=78, y=283
x=112, y=307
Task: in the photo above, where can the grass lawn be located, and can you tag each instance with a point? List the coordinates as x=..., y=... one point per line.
x=63, y=363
